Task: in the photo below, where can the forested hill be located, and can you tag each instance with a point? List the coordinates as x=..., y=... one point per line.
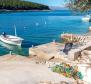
x=21, y=5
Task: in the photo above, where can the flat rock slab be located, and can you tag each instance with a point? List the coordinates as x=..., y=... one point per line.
x=23, y=72
x=47, y=51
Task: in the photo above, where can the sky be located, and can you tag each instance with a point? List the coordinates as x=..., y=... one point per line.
x=50, y=2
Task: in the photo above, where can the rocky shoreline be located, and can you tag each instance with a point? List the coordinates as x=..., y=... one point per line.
x=37, y=68
x=16, y=69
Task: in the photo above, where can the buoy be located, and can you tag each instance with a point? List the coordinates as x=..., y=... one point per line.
x=32, y=46
x=45, y=22
x=24, y=27
x=10, y=52
x=90, y=28
x=54, y=42
x=37, y=24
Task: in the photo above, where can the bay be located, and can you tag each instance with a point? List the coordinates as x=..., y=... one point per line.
x=39, y=27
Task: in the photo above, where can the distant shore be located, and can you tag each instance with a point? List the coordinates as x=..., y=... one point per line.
x=20, y=5
x=4, y=10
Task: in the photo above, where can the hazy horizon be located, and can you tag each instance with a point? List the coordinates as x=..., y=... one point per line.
x=50, y=3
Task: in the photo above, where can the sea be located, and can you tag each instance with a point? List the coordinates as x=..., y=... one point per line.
x=39, y=27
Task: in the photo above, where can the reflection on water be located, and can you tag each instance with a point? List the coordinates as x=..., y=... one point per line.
x=14, y=49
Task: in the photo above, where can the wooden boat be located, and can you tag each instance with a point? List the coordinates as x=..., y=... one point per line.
x=10, y=39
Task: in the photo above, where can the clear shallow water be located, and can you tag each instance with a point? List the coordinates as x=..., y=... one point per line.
x=40, y=27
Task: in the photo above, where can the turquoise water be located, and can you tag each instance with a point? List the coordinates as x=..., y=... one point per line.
x=39, y=27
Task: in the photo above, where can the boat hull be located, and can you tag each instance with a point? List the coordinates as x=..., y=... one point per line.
x=86, y=19
x=12, y=40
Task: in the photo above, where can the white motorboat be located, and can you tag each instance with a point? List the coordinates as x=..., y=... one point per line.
x=87, y=18
x=10, y=39
x=10, y=47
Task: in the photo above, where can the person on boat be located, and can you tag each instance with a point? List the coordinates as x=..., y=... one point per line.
x=4, y=34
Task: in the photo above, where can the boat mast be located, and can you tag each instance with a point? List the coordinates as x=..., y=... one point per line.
x=15, y=30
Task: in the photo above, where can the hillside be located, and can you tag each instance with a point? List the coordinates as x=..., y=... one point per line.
x=21, y=5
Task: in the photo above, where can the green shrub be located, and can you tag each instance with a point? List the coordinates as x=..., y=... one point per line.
x=68, y=71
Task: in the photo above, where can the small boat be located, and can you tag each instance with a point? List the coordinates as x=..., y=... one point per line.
x=10, y=39
x=87, y=18
x=9, y=47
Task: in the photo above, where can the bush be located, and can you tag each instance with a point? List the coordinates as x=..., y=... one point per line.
x=68, y=71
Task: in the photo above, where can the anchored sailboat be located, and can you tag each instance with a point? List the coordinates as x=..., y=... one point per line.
x=10, y=39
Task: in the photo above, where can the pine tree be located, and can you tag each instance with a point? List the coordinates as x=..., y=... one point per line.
x=21, y=5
